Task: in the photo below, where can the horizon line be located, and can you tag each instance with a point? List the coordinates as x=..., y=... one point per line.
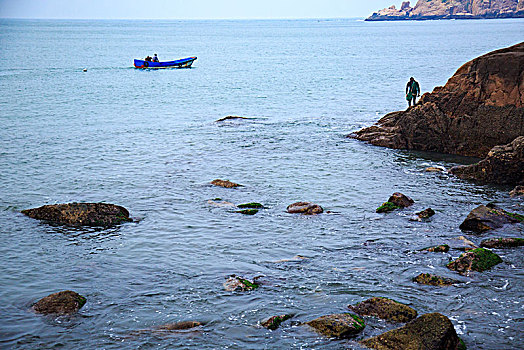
x=180, y=19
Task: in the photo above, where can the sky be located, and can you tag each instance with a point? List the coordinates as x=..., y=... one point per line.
x=190, y=9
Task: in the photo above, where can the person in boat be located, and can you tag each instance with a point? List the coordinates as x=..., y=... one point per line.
x=155, y=58
x=412, y=91
x=148, y=58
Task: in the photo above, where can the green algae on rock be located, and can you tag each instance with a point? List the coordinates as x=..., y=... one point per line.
x=385, y=309
x=387, y=207
x=274, y=322
x=248, y=211
x=433, y=280
x=237, y=283
x=61, y=303
x=225, y=183
x=250, y=206
x=443, y=248
x=479, y=259
x=428, y=332
x=502, y=242
x=401, y=200
x=488, y=217
x=81, y=214
x=344, y=325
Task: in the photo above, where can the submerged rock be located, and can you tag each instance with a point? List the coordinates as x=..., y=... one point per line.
x=250, y=206
x=219, y=203
x=422, y=215
x=428, y=332
x=467, y=244
x=488, y=217
x=248, y=211
x=434, y=280
x=238, y=284
x=503, y=165
x=344, y=325
x=517, y=191
x=61, y=303
x=274, y=322
x=305, y=208
x=225, y=183
x=81, y=214
x=231, y=117
x=178, y=326
x=385, y=309
x=479, y=259
x=443, y=248
x=401, y=200
x=502, y=242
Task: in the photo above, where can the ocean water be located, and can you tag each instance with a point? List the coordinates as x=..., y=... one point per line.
x=148, y=140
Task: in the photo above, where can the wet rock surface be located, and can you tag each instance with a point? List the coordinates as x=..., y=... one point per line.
x=517, y=191
x=274, y=322
x=401, y=200
x=489, y=217
x=232, y=117
x=344, y=325
x=306, y=208
x=385, y=309
x=479, y=259
x=252, y=205
x=61, y=303
x=178, y=326
x=225, y=183
x=502, y=243
x=434, y=280
x=239, y=284
x=443, y=248
x=428, y=332
x=423, y=215
x=80, y=214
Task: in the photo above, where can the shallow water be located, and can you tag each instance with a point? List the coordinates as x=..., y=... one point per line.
x=148, y=140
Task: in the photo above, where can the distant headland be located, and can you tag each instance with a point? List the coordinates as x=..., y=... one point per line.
x=445, y=9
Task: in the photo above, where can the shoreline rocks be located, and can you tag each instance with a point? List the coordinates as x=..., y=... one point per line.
x=81, y=214
x=489, y=217
x=61, y=303
x=479, y=260
x=306, y=208
x=502, y=243
x=344, y=325
x=385, y=309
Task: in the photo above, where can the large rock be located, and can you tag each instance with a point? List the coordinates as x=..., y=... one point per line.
x=344, y=325
x=508, y=242
x=489, y=217
x=479, y=259
x=385, y=309
x=61, y=303
x=428, y=332
x=305, y=208
x=81, y=214
x=480, y=107
x=458, y=9
x=504, y=165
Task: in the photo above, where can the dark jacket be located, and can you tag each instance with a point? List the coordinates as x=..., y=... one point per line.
x=413, y=88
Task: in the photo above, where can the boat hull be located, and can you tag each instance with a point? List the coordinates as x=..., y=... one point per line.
x=182, y=63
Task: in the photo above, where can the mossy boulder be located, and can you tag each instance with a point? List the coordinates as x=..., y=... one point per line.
x=489, y=217
x=250, y=206
x=239, y=284
x=385, y=309
x=502, y=242
x=443, y=248
x=434, y=280
x=274, y=322
x=401, y=200
x=306, y=208
x=80, y=214
x=225, y=183
x=248, y=211
x=344, y=325
x=428, y=332
x=387, y=207
x=479, y=259
x=61, y=303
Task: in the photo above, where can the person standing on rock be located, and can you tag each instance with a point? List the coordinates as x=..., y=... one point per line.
x=412, y=91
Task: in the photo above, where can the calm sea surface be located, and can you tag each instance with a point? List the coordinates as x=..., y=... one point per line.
x=148, y=140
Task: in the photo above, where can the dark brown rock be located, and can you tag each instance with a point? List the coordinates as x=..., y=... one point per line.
x=305, y=208
x=344, y=325
x=428, y=332
x=433, y=280
x=385, y=309
x=81, y=214
x=179, y=326
x=231, y=117
x=443, y=248
x=502, y=242
x=225, y=183
x=484, y=218
x=61, y=303
x=401, y=200
x=480, y=107
x=274, y=322
x=504, y=165
x=479, y=259
x=517, y=191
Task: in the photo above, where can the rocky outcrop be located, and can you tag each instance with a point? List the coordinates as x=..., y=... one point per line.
x=429, y=332
x=344, y=325
x=274, y=322
x=479, y=259
x=480, y=107
x=503, y=165
x=457, y=9
x=434, y=280
x=305, y=208
x=489, y=217
x=385, y=309
x=225, y=183
x=61, y=303
x=502, y=242
x=81, y=214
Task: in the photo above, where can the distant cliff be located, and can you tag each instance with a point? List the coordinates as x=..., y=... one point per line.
x=452, y=9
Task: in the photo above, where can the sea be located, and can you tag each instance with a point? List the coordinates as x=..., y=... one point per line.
x=149, y=140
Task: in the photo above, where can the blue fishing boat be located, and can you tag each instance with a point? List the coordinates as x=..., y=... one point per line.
x=182, y=63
